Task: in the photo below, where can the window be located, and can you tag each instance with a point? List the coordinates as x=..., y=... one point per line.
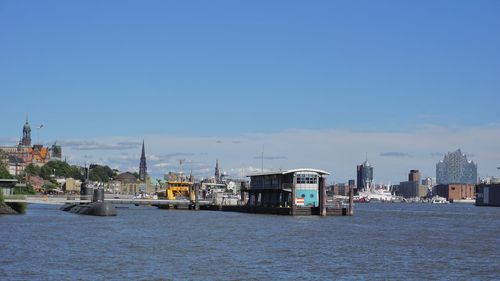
x=307, y=179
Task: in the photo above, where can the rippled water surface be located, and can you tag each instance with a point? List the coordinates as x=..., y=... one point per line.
x=382, y=241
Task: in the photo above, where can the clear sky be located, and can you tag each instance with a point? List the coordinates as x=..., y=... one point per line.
x=103, y=75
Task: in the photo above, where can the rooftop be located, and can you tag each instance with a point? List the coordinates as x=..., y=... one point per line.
x=283, y=172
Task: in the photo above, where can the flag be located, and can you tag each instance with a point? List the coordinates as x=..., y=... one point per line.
x=299, y=201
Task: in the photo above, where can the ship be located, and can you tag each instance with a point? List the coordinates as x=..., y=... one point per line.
x=97, y=207
x=177, y=187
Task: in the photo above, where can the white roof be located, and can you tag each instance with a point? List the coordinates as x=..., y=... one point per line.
x=282, y=172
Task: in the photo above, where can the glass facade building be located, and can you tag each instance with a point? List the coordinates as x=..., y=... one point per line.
x=364, y=176
x=455, y=168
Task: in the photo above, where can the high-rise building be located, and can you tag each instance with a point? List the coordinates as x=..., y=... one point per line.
x=364, y=176
x=455, y=168
x=142, y=165
x=414, y=175
x=351, y=183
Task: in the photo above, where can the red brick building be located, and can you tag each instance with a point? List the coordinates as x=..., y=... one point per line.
x=455, y=191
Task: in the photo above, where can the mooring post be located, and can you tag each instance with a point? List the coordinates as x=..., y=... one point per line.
x=322, y=197
x=196, y=200
x=351, y=195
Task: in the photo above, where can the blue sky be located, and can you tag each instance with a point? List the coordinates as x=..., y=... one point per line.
x=247, y=71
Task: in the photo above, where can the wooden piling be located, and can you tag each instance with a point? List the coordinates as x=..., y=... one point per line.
x=196, y=197
x=351, y=199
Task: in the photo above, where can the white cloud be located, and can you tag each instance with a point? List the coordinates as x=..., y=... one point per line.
x=336, y=151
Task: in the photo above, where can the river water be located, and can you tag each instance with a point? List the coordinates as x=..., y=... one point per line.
x=380, y=242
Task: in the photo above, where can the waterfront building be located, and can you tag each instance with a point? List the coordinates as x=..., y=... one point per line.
x=364, y=174
x=455, y=191
x=411, y=189
x=142, y=165
x=428, y=181
x=488, y=195
x=126, y=183
x=490, y=180
x=286, y=188
x=340, y=189
x=7, y=186
x=352, y=183
x=71, y=185
x=455, y=168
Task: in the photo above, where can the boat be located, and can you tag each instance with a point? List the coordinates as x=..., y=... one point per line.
x=377, y=195
x=439, y=200
x=98, y=207
x=358, y=199
x=178, y=187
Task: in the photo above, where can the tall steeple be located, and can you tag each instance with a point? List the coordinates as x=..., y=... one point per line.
x=217, y=172
x=26, y=140
x=142, y=165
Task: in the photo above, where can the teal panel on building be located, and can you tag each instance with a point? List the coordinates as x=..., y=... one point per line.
x=311, y=197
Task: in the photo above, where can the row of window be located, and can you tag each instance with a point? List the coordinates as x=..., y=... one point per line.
x=307, y=179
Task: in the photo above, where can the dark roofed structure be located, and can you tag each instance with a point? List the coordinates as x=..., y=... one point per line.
x=126, y=177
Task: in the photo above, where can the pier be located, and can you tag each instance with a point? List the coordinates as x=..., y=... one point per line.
x=64, y=199
x=181, y=204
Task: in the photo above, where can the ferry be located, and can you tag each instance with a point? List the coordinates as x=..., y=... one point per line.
x=177, y=187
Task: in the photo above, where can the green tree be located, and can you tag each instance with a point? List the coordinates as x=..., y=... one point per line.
x=101, y=173
x=46, y=171
x=32, y=170
x=49, y=187
x=76, y=172
x=4, y=173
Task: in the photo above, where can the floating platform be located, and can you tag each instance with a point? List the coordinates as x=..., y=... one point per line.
x=298, y=211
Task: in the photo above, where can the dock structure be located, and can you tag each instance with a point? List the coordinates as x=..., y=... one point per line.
x=289, y=192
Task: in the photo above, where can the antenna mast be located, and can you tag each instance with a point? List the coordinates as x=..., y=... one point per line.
x=262, y=160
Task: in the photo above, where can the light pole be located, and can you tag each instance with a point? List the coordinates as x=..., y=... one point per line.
x=38, y=133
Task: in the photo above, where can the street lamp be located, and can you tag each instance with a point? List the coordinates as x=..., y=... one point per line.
x=38, y=133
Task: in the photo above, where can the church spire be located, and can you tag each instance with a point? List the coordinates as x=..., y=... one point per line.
x=217, y=172
x=142, y=165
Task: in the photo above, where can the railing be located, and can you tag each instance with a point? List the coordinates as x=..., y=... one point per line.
x=63, y=199
x=48, y=199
